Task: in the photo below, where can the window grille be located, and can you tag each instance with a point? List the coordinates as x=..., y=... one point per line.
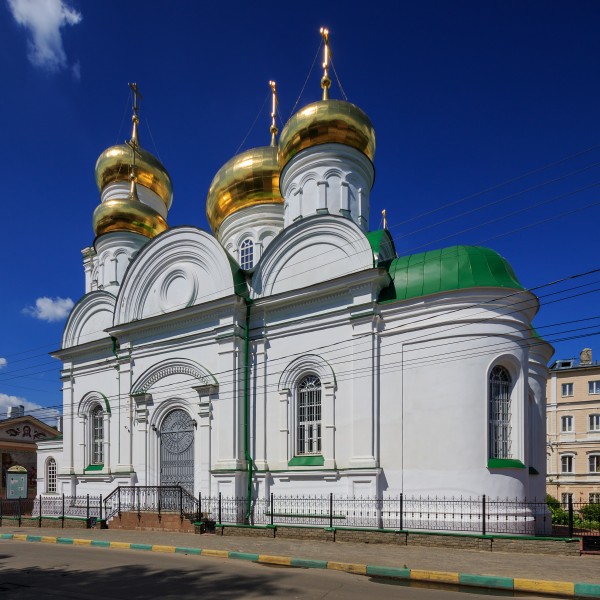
x=499, y=403
x=247, y=254
x=51, y=476
x=97, y=436
x=308, y=431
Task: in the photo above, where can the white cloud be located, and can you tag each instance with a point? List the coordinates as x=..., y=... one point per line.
x=2, y=362
x=50, y=309
x=43, y=20
x=48, y=415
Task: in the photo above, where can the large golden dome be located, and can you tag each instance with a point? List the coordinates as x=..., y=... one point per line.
x=324, y=122
x=115, y=164
x=248, y=179
x=127, y=214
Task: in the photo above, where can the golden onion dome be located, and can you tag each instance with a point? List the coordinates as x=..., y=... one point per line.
x=324, y=122
x=248, y=179
x=116, y=163
x=127, y=214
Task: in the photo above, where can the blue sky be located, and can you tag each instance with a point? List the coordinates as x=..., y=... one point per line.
x=465, y=96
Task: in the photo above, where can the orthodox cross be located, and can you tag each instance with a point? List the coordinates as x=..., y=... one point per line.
x=134, y=143
x=273, y=129
x=325, y=81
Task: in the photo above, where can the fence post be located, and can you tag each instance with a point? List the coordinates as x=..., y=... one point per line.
x=570, y=515
x=199, y=516
x=19, y=509
x=483, y=514
x=87, y=510
x=1, y=506
x=119, y=500
x=100, y=509
x=181, y=502
x=401, y=511
x=331, y=510
x=139, y=507
x=62, y=518
x=219, y=507
x=40, y=509
x=272, y=507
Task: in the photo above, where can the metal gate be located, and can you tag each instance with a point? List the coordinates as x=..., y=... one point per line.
x=177, y=450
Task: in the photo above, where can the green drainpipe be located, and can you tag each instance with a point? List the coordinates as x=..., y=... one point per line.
x=247, y=407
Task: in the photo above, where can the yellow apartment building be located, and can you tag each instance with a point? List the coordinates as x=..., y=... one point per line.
x=573, y=425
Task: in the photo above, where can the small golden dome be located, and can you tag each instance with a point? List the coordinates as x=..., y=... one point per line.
x=127, y=214
x=324, y=122
x=248, y=179
x=116, y=162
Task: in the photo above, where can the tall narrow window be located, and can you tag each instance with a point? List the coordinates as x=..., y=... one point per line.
x=566, y=424
x=97, y=436
x=566, y=463
x=51, y=476
x=247, y=254
x=499, y=405
x=308, y=429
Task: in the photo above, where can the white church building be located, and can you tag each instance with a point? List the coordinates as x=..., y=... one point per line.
x=290, y=350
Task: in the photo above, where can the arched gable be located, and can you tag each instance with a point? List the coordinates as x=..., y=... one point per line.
x=313, y=250
x=309, y=363
x=90, y=400
x=89, y=318
x=182, y=267
x=178, y=366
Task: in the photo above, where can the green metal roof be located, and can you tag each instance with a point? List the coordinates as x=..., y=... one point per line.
x=454, y=268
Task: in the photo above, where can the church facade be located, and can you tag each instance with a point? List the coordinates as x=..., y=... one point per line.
x=290, y=350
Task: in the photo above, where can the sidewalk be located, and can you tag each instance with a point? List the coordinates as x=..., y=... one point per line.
x=574, y=569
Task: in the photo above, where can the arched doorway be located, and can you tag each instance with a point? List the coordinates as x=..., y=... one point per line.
x=177, y=450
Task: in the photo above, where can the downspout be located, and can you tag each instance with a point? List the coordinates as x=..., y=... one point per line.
x=247, y=455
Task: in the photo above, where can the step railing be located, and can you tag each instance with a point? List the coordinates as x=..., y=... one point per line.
x=151, y=498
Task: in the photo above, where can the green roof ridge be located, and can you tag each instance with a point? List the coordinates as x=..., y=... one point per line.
x=447, y=269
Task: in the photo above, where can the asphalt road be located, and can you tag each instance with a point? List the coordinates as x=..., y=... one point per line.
x=29, y=571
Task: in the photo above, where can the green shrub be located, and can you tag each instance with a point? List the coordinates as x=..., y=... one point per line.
x=559, y=514
x=591, y=512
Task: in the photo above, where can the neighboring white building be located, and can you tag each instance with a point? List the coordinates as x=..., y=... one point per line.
x=291, y=350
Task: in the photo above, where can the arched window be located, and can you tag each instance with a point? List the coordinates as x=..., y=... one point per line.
x=97, y=445
x=499, y=416
x=51, y=476
x=247, y=254
x=308, y=416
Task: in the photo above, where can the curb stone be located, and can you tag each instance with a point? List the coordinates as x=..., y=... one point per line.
x=557, y=588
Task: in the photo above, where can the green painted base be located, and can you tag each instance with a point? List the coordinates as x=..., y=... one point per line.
x=307, y=461
x=505, y=463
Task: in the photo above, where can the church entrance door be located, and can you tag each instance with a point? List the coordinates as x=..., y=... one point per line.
x=177, y=450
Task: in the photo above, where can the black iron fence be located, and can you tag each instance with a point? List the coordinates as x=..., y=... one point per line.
x=52, y=506
x=482, y=514
x=418, y=513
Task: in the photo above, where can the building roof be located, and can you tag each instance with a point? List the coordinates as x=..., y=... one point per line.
x=446, y=269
